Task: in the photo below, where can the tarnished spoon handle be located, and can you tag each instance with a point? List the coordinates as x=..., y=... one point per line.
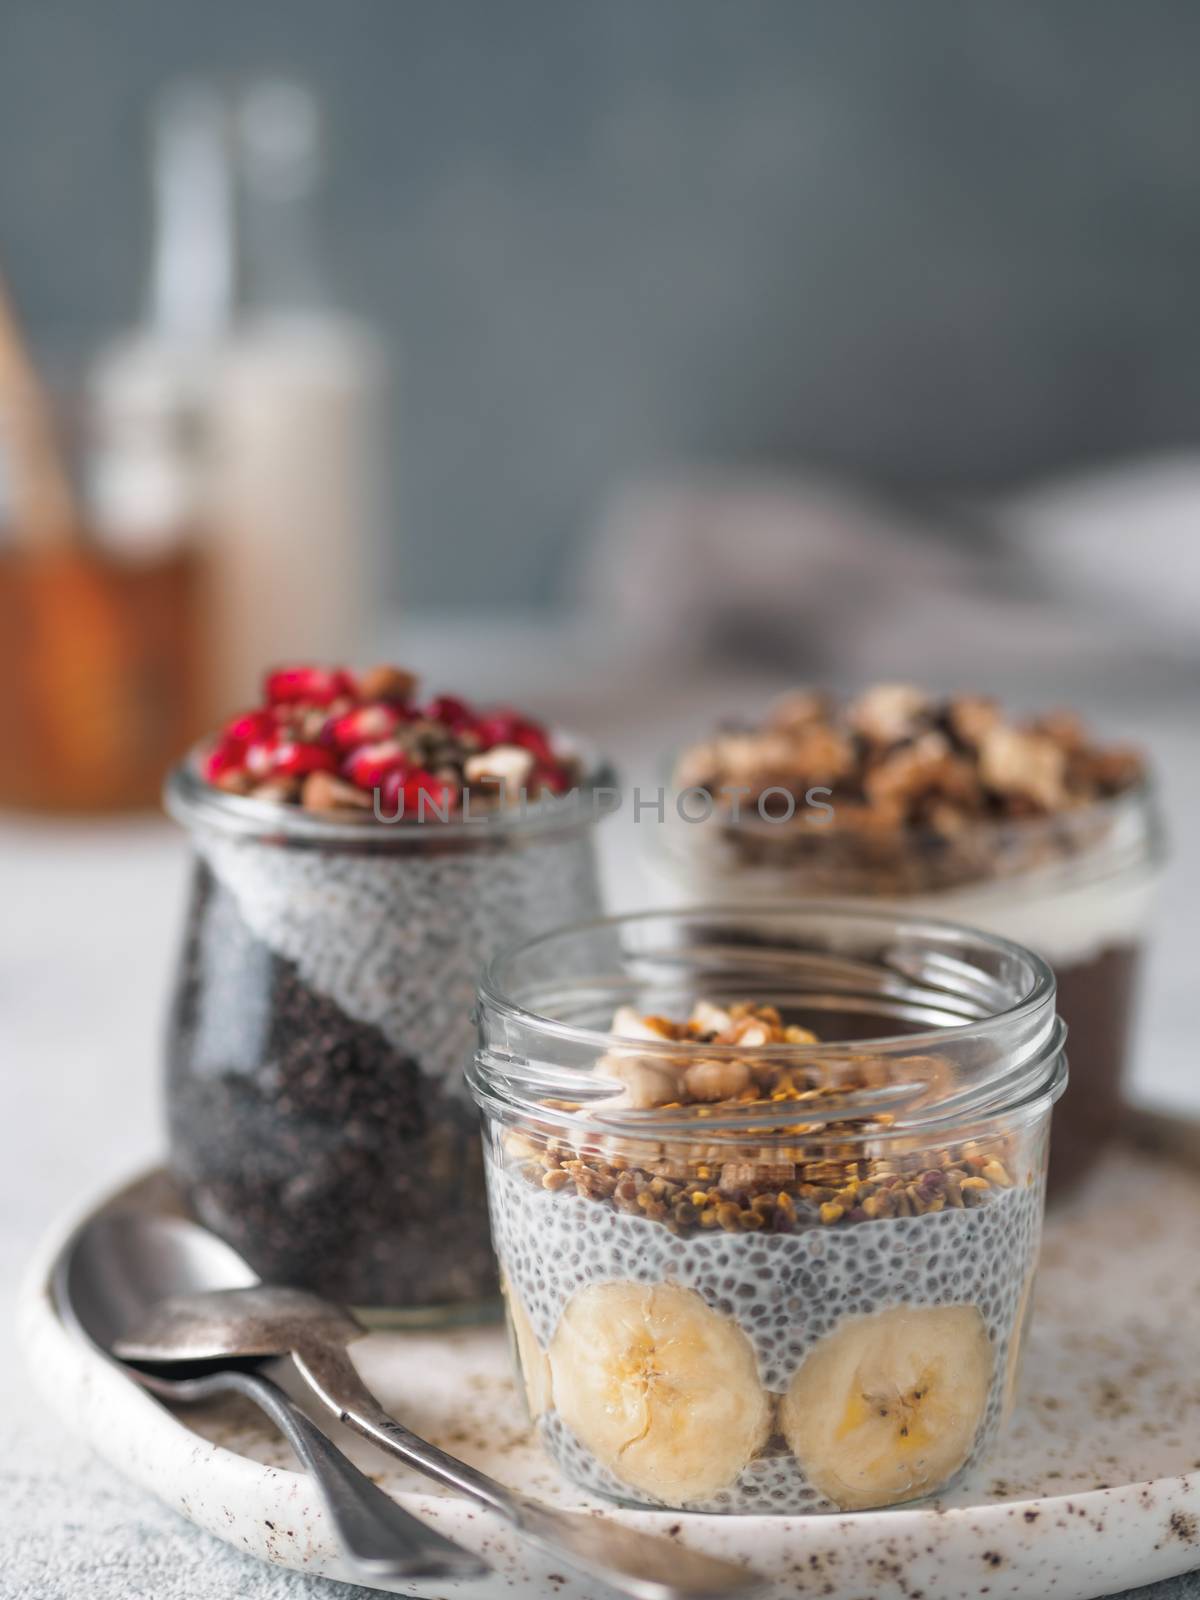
x=378, y=1537
x=333, y=1378
x=631, y=1562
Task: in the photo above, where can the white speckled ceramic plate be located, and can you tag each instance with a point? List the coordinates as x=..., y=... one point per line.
x=1095, y=1488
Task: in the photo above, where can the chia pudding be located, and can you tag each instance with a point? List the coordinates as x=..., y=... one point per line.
x=1030, y=829
x=748, y=1269
x=317, y=1112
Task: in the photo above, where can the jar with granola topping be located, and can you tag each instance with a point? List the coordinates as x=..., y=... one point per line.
x=766, y=1190
x=1028, y=828
x=359, y=853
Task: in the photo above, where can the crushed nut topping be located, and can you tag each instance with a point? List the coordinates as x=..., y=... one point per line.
x=917, y=793
x=898, y=751
x=798, y=1175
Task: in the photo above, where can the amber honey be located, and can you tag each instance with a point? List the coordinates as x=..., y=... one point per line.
x=102, y=676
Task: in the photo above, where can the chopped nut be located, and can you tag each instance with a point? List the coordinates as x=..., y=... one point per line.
x=889, y=712
x=971, y=717
x=505, y=767
x=234, y=782
x=709, y=1018
x=716, y=1080
x=798, y=709
x=323, y=792
x=1107, y=771
x=796, y=1035
x=924, y=767
x=1065, y=728
x=1025, y=764
x=386, y=683
x=281, y=791
x=647, y=1082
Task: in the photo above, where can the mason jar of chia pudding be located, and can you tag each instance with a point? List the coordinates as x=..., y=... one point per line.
x=1028, y=829
x=358, y=854
x=766, y=1189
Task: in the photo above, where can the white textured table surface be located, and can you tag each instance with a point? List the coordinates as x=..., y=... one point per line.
x=89, y=919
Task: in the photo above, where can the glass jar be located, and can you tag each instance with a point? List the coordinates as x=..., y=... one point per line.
x=808, y=1299
x=1077, y=887
x=318, y=1116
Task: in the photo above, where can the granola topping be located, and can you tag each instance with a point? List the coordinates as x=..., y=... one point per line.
x=801, y=1173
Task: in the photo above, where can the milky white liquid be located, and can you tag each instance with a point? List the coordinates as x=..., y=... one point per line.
x=1066, y=923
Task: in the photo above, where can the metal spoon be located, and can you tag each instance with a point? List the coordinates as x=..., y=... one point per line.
x=110, y=1277
x=264, y=1322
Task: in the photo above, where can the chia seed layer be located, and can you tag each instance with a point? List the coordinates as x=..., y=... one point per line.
x=396, y=941
x=321, y=1022
x=785, y=1291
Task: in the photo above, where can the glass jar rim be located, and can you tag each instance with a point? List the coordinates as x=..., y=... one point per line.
x=191, y=800
x=1036, y=1073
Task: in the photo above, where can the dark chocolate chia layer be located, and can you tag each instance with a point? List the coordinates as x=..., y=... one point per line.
x=1097, y=999
x=303, y=1137
x=317, y=1112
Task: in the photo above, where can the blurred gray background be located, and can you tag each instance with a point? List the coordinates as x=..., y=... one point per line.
x=935, y=244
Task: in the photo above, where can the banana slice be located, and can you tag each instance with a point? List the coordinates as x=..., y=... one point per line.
x=886, y=1407
x=662, y=1389
x=531, y=1359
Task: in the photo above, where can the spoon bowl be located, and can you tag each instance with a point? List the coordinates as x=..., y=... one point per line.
x=114, y=1274
x=239, y=1323
x=190, y=1331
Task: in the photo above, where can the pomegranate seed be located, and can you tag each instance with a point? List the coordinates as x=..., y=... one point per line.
x=228, y=756
x=438, y=796
x=547, y=775
x=363, y=725
x=391, y=787
x=370, y=763
x=296, y=759
x=537, y=741
x=453, y=712
x=260, y=757
x=313, y=685
x=251, y=725
x=508, y=727
x=498, y=727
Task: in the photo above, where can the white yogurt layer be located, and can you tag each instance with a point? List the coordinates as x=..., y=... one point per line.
x=1066, y=926
x=1066, y=923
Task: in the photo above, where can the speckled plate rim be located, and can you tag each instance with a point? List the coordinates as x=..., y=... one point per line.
x=1074, y=1547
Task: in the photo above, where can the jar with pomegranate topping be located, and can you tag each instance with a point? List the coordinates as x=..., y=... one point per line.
x=948, y=806
x=767, y=1191
x=346, y=892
